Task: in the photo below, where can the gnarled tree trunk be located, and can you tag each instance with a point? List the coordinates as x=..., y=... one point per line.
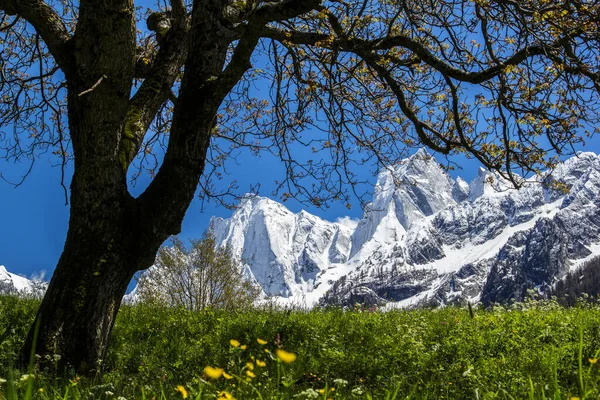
x=111, y=234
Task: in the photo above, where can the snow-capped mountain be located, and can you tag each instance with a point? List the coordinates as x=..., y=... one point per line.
x=15, y=284
x=425, y=238
x=283, y=252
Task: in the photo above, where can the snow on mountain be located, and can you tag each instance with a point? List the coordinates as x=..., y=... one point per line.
x=15, y=284
x=487, y=184
x=425, y=238
x=284, y=252
x=414, y=188
x=493, y=247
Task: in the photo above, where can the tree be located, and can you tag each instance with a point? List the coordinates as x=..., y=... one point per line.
x=203, y=276
x=512, y=83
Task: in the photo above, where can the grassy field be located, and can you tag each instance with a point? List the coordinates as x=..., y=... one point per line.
x=535, y=350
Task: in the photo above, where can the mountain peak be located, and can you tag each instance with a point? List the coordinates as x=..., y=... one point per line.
x=421, y=153
x=11, y=283
x=487, y=183
x=420, y=242
x=283, y=251
x=251, y=198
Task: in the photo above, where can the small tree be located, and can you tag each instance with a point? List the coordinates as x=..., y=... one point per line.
x=196, y=278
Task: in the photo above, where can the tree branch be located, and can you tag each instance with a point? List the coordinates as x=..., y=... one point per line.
x=420, y=127
x=179, y=12
x=264, y=12
x=46, y=22
x=356, y=45
x=251, y=33
x=154, y=91
x=282, y=10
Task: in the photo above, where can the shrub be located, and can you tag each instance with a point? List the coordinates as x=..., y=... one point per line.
x=196, y=278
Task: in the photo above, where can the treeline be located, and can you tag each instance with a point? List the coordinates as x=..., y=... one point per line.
x=582, y=283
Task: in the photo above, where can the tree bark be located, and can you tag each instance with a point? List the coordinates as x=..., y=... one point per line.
x=78, y=311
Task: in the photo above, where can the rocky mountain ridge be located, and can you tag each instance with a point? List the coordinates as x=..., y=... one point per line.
x=426, y=238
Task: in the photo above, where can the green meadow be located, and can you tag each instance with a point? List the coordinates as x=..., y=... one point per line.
x=534, y=350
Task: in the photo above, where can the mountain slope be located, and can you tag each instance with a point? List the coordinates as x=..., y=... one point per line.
x=425, y=238
x=15, y=284
x=284, y=252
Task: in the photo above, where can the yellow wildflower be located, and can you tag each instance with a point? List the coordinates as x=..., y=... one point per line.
x=213, y=373
x=234, y=343
x=182, y=391
x=285, y=356
x=261, y=363
x=226, y=395
x=261, y=342
x=244, y=346
x=226, y=375
x=593, y=360
x=250, y=366
x=250, y=374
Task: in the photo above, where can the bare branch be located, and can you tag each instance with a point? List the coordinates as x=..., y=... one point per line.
x=94, y=86
x=46, y=22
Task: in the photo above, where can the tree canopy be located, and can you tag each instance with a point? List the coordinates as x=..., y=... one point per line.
x=511, y=83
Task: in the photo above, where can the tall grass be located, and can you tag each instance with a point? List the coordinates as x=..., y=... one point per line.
x=535, y=350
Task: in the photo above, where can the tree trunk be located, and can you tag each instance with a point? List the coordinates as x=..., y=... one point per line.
x=84, y=295
x=112, y=235
x=79, y=309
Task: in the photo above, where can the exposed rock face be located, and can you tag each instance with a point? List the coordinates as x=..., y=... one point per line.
x=491, y=246
x=284, y=252
x=425, y=239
